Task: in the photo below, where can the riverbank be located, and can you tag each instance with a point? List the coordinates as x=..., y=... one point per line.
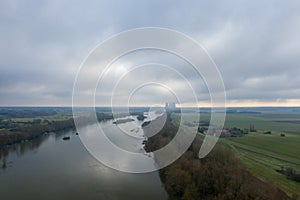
x=49, y=168
x=17, y=130
x=220, y=175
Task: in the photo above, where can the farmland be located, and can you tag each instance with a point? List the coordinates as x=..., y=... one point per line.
x=263, y=154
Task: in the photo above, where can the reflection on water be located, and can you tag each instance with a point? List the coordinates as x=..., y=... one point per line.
x=22, y=148
x=51, y=168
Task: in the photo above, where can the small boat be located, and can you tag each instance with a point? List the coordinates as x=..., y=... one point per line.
x=66, y=138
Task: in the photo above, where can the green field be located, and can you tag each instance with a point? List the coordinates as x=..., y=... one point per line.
x=263, y=154
x=57, y=117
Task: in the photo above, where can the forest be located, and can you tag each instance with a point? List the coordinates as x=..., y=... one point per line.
x=220, y=175
x=21, y=124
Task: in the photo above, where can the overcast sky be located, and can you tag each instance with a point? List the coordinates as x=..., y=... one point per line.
x=255, y=45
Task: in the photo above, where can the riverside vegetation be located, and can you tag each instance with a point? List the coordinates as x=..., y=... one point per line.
x=220, y=175
x=21, y=124
x=244, y=165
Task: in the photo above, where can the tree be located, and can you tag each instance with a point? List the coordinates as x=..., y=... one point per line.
x=191, y=192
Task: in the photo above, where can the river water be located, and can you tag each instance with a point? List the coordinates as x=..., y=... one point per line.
x=52, y=168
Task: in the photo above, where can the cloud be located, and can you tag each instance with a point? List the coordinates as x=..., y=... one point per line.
x=255, y=45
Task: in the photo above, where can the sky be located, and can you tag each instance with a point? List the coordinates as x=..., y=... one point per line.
x=255, y=45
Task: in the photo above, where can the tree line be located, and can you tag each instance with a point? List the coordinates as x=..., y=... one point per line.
x=220, y=175
x=14, y=132
x=31, y=131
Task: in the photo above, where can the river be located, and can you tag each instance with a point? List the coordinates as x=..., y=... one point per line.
x=52, y=168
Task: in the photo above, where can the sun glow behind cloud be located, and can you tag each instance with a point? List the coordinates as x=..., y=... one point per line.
x=255, y=45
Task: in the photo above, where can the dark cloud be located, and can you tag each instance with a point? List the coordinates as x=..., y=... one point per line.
x=255, y=45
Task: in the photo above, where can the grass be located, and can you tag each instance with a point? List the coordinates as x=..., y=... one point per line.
x=263, y=154
x=264, y=121
x=285, y=146
x=57, y=117
x=263, y=159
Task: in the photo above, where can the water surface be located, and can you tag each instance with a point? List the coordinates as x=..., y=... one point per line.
x=51, y=168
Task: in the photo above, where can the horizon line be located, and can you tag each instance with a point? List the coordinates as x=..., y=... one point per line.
x=145, y=106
